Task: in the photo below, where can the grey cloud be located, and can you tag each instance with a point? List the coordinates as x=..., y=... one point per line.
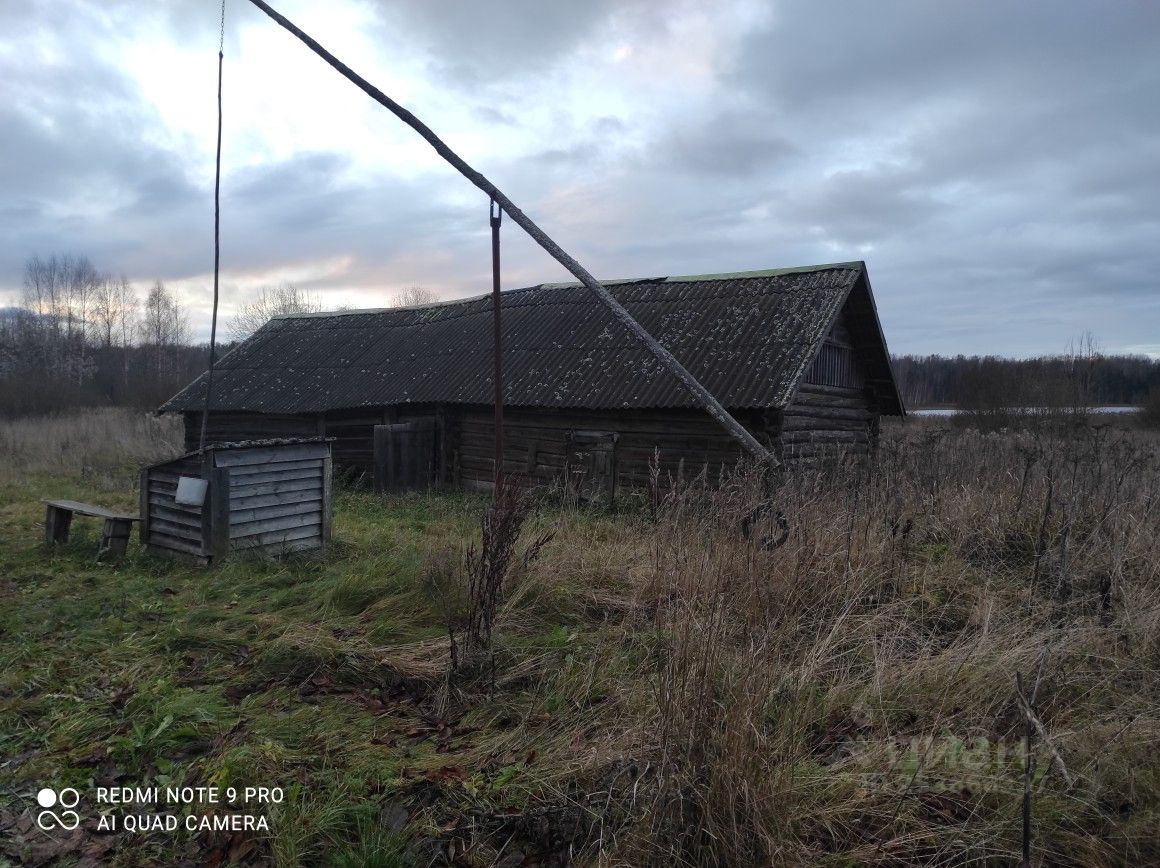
x=492, y=115
x=993, y=162
x=858, y=207
x=308, y=208
x=861, y=57
x=484, y=43
x=734, y=142
x=73, y=133
x=569, y=155
x=609, y=125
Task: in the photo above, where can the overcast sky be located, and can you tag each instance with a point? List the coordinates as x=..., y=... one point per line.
x=997, y=164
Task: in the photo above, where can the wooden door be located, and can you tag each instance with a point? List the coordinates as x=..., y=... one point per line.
x=404, y=455
x=591, y=465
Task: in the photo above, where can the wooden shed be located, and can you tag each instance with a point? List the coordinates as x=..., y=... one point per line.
x=797, y=355
x=265, y=497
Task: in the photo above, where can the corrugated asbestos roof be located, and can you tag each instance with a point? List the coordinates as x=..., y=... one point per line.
x=747, y=337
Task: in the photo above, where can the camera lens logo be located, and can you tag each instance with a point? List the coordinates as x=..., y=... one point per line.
x=67, y=819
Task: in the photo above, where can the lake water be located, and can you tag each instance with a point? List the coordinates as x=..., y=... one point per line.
x=954, y=411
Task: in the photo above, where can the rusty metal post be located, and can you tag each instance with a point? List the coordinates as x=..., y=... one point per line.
x=496, y=214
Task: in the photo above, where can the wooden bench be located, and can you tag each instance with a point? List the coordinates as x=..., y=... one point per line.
x=118, y=526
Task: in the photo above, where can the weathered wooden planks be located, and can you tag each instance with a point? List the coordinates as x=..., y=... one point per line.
x=405, y=454
x=260, y=526
x=243, y=491
x=258, y=456
x=308, y=507
x=243, y=470
x=160, y=508
x=274, y=536
x=242, y=500
x=254, y=476
x=165, y=523
x=271, y=498
x=159, y=527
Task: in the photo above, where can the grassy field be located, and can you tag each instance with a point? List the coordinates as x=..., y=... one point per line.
x=836, y=688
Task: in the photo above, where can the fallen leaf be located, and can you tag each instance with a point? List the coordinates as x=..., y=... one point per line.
x=446, y=774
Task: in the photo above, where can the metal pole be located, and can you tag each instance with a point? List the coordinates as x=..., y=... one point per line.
x=702, y=396
x=496, y=214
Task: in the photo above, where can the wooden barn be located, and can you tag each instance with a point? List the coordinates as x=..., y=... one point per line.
x=797, y=355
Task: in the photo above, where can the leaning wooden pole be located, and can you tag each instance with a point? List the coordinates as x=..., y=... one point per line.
x=700, y=394
x=217, y=249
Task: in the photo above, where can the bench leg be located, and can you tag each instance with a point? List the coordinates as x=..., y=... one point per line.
x=115, y=538
x=57, y=522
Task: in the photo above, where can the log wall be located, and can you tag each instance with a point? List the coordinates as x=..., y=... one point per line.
x=351, y=431
x=353, y=446
x=825, y=422
x=230, y=427
x=832, y=414
x=546, y=445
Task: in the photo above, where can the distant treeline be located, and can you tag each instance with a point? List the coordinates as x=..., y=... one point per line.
x=84, y=338
x=1083, y=378
x=137, y=376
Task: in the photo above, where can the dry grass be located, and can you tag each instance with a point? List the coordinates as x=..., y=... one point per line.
x=843, y=692
x=833, y=687
x=102, y=447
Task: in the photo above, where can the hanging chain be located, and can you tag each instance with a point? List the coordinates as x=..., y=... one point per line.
x=222, y=31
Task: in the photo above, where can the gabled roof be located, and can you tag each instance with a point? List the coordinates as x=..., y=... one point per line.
x=747, y=337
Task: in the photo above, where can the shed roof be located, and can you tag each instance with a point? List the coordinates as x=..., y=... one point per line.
x=747, y=337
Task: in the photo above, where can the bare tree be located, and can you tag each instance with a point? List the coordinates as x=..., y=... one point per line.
x=1081, y=361
x=115, y=317
x=114, y=308
x=128, y=304
x=58, y=292
x=44, y=292
x=413, y=296
x=163, y=325
x=270, y=302
x=104, y=312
